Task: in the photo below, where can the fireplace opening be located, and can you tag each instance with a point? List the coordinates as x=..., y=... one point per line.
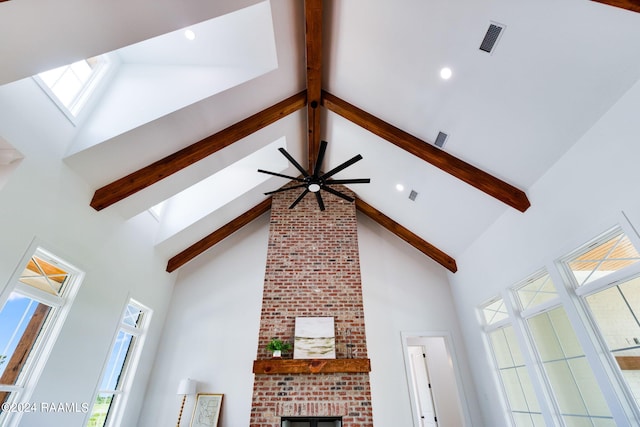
x=311, y=422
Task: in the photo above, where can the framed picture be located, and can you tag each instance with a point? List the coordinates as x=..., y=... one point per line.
x=314, y=338
x=207, y=410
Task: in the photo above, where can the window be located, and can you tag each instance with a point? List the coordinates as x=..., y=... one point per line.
x=34, y=306
x=587, y=376
x=613, y=301
x=120, y=368
x=71, y=85
x=536, y=291
x=616, y=311
x=577, y=394
x=494, y=312
x=606, y=255
x=575, y=388
x=514, y=377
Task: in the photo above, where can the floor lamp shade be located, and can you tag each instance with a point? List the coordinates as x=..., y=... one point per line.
x=187, y=386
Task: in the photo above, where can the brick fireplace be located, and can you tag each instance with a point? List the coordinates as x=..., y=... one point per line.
x=313, y=270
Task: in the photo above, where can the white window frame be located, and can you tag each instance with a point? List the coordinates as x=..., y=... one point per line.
x=74, y=111
x=60, y=306
x=525, y=349
x=618, y=382
x=544, y=375
x=129, y=368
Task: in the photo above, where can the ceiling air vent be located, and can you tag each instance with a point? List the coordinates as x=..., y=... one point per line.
x=492, y=36
x=441, y=139
x=413, y=195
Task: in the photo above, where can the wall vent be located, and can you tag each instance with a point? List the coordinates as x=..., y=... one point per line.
x=492, y=36
x=441, y=139
x=413, y=195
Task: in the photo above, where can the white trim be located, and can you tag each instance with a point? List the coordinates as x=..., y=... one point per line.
x=608, y=281
x=120, y=396
x=448, y=342
x=542, y=307
x=50, y=330
x=483, y=306
x=39, y=295
x=75, y=110
x=497, y=325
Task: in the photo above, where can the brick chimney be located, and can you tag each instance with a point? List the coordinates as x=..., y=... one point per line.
x=313, y=270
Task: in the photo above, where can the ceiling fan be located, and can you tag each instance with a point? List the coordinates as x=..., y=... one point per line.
x=316, y=182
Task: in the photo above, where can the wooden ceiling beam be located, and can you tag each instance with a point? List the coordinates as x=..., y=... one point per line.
x=470, y=174
x=149, y=175
x=417, y=242
x=313, y=41
x=632, y=5
x=223, y=232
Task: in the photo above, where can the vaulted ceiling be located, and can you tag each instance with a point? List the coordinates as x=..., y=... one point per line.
x=364, y=76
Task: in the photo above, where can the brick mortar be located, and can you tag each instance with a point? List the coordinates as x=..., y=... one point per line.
x=313, y=269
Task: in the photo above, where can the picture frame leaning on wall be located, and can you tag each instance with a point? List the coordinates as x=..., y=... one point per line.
x=206, y=411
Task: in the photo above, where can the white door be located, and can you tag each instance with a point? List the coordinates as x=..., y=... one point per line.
x=422, y=387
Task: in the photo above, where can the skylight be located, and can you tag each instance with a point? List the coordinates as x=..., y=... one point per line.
x=71, y=85
x=163, y=74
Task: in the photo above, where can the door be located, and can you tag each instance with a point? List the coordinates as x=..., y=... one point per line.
x=422, y=387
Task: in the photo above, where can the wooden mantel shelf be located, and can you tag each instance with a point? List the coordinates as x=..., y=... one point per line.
x=311, y=366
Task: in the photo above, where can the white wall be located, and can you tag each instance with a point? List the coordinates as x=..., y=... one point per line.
x=43, y=199
x=580, y=197
x=403, y=291
x=212, y=326
x=211, y=332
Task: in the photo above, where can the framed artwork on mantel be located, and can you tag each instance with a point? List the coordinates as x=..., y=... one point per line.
x=314, y=338
x=207, y=410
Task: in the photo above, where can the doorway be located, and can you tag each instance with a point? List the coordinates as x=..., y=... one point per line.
x=423, y=398
x=433, y=381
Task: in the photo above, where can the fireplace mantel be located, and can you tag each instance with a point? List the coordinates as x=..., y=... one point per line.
x=310, y=366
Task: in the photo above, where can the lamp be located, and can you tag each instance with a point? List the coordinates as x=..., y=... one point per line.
x=187, y=386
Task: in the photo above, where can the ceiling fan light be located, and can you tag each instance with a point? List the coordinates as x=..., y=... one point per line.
x=314, y=188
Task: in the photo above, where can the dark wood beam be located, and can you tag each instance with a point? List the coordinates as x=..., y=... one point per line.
x=225, y=231
x=470, y=174
x=310, y=366
x=149, y=175
x=313, y=38
x=420, y=244
x=632, y=5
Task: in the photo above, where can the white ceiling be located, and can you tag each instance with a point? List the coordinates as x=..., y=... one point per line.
x=558, y=66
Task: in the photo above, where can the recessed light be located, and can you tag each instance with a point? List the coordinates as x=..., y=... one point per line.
x=399, y=187
x=189, y=34
x=446, y=73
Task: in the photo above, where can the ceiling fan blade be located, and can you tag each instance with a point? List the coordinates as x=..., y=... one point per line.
x=300, y=197
x=349, y=181
x=281, y=176
x=293, y=161
x=285, y=189
x=337, y=193
x=320, y=202
x=320, y=159
x=342, y=166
